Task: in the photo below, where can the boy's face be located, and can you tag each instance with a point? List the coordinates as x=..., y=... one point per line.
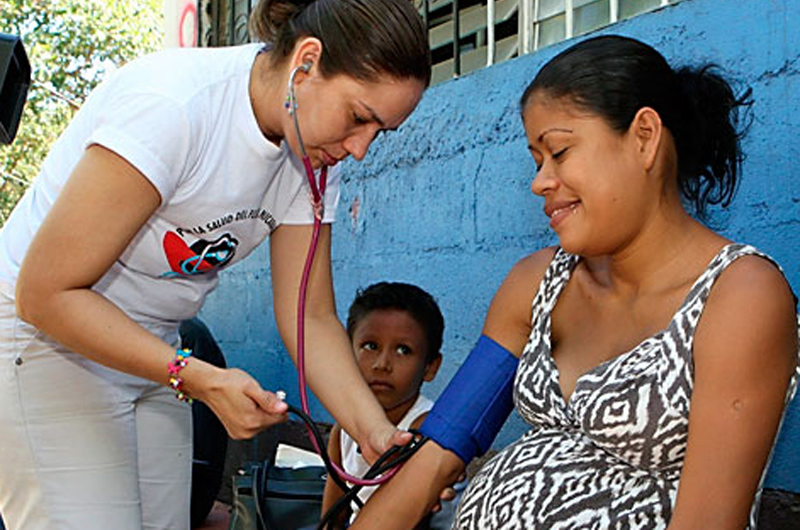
x=391, y=351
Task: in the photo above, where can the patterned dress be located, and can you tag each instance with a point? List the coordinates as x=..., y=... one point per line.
x=611, y=456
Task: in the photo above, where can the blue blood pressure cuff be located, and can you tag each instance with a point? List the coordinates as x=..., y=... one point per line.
x=476, y=403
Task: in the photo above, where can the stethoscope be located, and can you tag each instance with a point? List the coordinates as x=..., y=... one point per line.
x=388, y=464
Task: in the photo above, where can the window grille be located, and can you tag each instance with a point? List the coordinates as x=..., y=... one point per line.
x=490, y=31
x=465, y=35
x=552, y=21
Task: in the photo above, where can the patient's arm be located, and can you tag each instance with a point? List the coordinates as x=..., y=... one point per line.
x=412, y=493
x=744, y=352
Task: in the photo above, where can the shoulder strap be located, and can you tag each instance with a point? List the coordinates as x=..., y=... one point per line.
x=555, y=278
x=688, y=315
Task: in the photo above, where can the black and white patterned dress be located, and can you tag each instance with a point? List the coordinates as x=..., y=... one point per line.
x=610, y=457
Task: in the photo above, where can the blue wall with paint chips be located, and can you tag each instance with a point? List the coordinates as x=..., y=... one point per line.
x=445, y=202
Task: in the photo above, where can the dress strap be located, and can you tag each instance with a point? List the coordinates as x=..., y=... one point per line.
x=698, y=295
x=555, y=278
x=688, y=315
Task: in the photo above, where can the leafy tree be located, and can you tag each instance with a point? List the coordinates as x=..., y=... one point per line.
x=71, y=45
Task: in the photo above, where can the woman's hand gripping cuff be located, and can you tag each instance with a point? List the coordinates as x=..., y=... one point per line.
x=476, y=403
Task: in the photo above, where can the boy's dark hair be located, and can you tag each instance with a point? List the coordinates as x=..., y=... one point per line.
x=403, y=297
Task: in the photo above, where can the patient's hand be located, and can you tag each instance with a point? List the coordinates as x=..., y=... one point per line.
x=447, y=494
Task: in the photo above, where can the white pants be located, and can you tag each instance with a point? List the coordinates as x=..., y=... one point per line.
x=84, y=447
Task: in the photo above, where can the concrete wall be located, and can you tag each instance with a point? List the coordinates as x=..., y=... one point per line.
x=445, y=202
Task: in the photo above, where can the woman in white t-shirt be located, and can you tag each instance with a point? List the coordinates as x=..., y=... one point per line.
x=179, y=165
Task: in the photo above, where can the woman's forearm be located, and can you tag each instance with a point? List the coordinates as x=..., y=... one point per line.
x=89, y=324
x=333, y=376
x=411, y=494
x=329, y=360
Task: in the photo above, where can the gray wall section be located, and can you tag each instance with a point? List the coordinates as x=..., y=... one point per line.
x=445, y=202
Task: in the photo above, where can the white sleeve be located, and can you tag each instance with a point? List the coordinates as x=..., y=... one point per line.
x=300, y=211
x=151, y=132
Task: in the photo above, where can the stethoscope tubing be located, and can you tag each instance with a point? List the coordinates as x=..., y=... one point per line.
x=317, y=198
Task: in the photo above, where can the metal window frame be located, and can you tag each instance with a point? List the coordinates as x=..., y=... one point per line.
x=223, y=22
x=530, y=20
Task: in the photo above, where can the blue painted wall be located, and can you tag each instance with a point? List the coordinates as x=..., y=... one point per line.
x=445, y=202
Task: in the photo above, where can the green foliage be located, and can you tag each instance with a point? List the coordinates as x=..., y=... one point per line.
x=71, y=45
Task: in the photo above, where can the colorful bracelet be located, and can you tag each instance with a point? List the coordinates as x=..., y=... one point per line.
x=176, y=365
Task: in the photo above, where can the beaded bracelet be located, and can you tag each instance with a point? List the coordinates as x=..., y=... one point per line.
x=176, y=365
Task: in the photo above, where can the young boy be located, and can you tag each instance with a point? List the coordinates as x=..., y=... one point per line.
x=396, y=332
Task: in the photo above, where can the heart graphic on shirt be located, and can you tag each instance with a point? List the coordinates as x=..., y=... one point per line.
x=199, y=258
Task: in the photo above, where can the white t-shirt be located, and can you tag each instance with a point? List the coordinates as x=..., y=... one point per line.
x=183, y=118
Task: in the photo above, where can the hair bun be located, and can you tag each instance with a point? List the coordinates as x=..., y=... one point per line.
x=271, y=16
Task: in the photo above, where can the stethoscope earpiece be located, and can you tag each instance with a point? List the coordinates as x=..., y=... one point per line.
x=291, y=101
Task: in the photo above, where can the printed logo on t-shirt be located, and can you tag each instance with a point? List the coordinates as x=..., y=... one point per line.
x=199, y=258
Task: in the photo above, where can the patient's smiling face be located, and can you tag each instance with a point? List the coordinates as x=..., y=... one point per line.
x=392, y=353
x=596, y=193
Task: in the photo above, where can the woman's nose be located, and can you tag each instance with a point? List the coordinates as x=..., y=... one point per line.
x=357, y=144
x=543, y=181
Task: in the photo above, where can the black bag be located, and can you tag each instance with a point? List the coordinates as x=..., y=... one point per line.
x=267, y=497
